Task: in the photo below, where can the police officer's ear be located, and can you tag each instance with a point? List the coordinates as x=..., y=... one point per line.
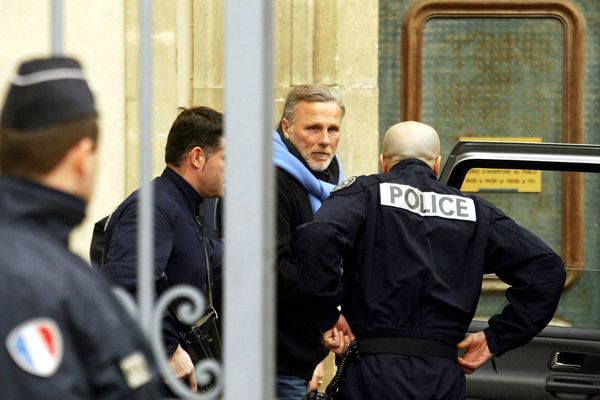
x=382, y=163
x=437, y=165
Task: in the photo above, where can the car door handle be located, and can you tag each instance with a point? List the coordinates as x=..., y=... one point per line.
x=560, y=363
x=564, y=361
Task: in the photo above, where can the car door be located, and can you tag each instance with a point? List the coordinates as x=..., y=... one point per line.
x=563, y=361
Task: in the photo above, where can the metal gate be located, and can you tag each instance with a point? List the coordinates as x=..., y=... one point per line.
x=248, y=367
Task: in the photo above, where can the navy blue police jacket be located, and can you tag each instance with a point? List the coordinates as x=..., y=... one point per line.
x=179, y=243
x=404, y=255
x=64, y=335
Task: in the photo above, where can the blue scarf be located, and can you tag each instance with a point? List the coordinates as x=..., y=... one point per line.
x=317, y=190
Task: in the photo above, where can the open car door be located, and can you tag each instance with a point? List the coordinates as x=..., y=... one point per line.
x=554, y=191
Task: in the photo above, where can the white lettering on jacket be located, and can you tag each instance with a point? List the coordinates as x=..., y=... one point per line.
x=427, y=204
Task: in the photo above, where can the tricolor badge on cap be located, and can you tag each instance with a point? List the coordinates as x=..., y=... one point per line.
x=36, y=346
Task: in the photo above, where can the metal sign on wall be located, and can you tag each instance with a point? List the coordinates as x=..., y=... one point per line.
x=503, y=180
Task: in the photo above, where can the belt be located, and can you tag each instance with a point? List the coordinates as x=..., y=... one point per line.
x=407, y=346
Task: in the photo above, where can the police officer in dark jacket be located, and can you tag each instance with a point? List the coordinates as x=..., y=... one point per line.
x=63, y=333
x=194, y=155
x=413, y=252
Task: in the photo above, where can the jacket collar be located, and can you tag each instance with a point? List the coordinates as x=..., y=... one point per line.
x=192, y=198
x=26, y=202
x=413, y=164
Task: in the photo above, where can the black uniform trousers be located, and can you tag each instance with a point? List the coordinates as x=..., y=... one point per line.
x=399, y=377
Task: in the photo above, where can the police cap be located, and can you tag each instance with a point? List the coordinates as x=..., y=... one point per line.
x=46, y=92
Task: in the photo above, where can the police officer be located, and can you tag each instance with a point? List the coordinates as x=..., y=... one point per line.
x=63, y=334
x=413, y=252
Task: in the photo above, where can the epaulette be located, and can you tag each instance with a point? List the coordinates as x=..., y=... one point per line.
x=346, y=183
x=354, y=184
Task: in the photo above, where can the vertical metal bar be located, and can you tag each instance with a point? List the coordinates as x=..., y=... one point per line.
x=57, y=27
x=145, y=223
x=250, y=202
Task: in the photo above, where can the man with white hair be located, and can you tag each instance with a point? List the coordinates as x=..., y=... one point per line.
x=413, y=253
x=304, y=152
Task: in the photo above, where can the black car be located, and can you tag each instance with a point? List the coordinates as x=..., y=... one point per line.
x=552, y=189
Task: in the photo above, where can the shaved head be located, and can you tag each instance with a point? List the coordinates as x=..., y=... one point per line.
x=411, y=139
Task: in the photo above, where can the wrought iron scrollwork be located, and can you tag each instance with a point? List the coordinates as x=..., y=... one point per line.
x=207, y=371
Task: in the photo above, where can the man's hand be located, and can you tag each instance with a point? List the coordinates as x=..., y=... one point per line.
x=183, y=368
x=337, y=338
x=476, y=354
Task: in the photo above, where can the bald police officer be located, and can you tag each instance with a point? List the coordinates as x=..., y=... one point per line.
x=413, y=252
x=63, y=335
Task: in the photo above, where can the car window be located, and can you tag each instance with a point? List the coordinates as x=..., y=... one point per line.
x=536, y=200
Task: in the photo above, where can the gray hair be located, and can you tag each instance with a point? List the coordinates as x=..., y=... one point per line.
x=311, y=94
